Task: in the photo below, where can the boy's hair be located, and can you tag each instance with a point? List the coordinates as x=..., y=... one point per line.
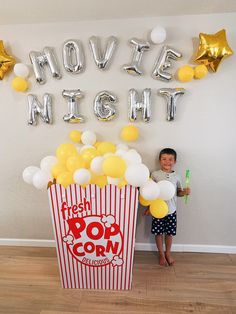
x=169, y=151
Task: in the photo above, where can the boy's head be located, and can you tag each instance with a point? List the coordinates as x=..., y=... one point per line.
x=167, y=159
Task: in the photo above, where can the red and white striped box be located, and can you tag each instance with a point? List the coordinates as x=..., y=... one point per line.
x=95, y=233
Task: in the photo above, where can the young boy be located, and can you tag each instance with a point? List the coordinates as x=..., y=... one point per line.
x=167, y=225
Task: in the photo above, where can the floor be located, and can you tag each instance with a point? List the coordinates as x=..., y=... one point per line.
x=198, y=283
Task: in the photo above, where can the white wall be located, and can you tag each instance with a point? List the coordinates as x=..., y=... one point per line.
x=203, y=132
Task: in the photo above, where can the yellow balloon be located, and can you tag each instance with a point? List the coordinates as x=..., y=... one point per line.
x=84, y=185
x=19, y=84
x=185, y=73
x=93, y=178
x=129, y=133
x=88, y=154
x=158, y=208
x=64, y=151
x=57, y=169
x=65, y=178
x=101, y=181
x=114, y=166
x=200, y=71
x=97, y=144
x=75, y=162
x=143, y=202
x=122, y=183
x=106, y=147
x=75, y=136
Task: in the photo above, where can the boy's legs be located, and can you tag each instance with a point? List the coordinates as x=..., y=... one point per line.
x=159, y=244
x=170, y=230
x=168, y=243
x=167, y=226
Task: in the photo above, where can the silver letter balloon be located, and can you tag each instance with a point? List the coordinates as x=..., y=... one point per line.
x=73, y=56
x=103, y=106
x=163, y=63
x=139, y=47
x=143, y=105
x=72, y=97
x=171, y=95
x=39, y=59
x=102, y=59
x=35, y=108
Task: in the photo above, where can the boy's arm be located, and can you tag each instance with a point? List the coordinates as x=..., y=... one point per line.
x=181, y=191
x=146, y=212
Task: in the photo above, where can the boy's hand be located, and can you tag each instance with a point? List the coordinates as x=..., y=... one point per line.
x=186, y=191
x=146, y=212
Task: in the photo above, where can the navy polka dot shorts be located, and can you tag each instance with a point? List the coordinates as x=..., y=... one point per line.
x=166, y=225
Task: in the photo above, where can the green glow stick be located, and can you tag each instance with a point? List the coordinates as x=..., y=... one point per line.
x=187, y=177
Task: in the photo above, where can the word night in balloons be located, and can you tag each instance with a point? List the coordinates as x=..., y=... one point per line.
x=104, y=108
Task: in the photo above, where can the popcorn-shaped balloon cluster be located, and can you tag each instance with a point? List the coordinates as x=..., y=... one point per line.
x=88, y=161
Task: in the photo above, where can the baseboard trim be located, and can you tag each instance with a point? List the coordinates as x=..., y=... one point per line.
x=198, y=248
x=28, y=242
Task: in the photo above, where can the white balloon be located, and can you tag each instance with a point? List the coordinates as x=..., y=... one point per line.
x=47, y=163
x=114, y=181
x=132, y=157
x=20, y=69
x=120, y=152
x=137, y=174
x=88, y=138
x=150, y=190
x=28, y=174
x=41, y=179
x=122, y=146
x=82, y=176
x=158, y=35
x=96, y=165
x=132, y=150
x=167, y=190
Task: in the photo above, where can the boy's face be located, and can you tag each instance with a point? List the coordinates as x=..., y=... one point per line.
x=167, y=162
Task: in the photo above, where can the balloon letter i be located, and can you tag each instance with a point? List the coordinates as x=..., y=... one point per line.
x=187, y=177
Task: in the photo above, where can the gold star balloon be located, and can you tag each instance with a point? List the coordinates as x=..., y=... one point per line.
x=213, y=49
x=6, y=61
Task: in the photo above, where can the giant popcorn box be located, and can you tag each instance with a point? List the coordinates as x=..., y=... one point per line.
x=95, y=233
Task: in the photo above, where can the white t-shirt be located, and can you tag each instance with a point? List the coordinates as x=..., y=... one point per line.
x=174, y=178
